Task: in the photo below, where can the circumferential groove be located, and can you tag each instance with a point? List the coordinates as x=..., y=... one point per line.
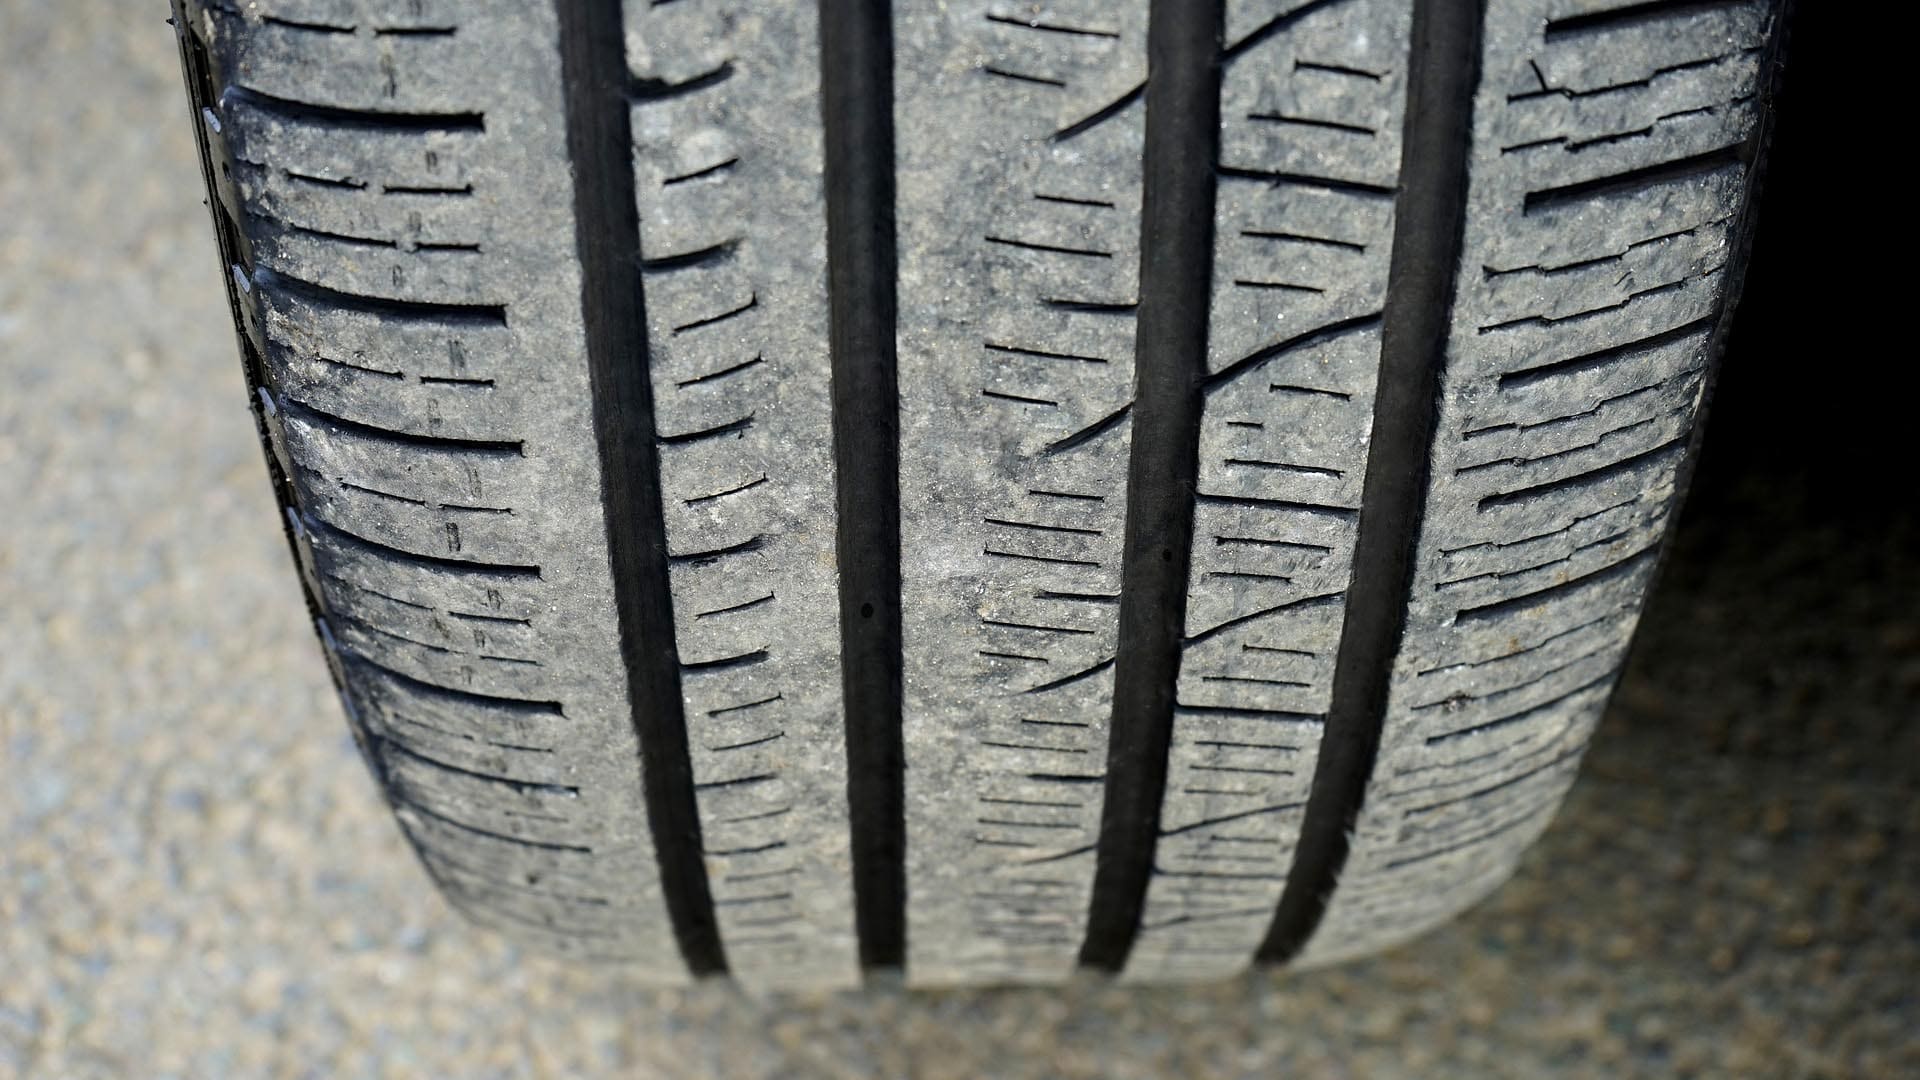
x=600, y=144
x=1176, y=279
x=1443, y=71
x=856, y=101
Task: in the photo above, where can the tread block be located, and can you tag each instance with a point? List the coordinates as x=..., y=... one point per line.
x=1607, y=168
x=729, y=193
x=1016, y=380
x=394, y=201
x=1310, y=126
x=381, y=58
x=418, y=377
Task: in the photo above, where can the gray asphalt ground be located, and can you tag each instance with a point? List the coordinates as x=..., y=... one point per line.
x=198, y=881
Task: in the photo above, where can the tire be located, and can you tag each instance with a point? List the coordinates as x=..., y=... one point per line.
x=789, y=491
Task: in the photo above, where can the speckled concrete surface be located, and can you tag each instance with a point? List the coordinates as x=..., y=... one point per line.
x=197, y=881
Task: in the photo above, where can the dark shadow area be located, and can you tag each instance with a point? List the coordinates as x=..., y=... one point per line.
x=1810, y=384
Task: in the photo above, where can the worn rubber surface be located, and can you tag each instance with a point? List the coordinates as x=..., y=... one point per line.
x=789, y=489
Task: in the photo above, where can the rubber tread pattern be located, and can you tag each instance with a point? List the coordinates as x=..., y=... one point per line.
x=394, y=201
